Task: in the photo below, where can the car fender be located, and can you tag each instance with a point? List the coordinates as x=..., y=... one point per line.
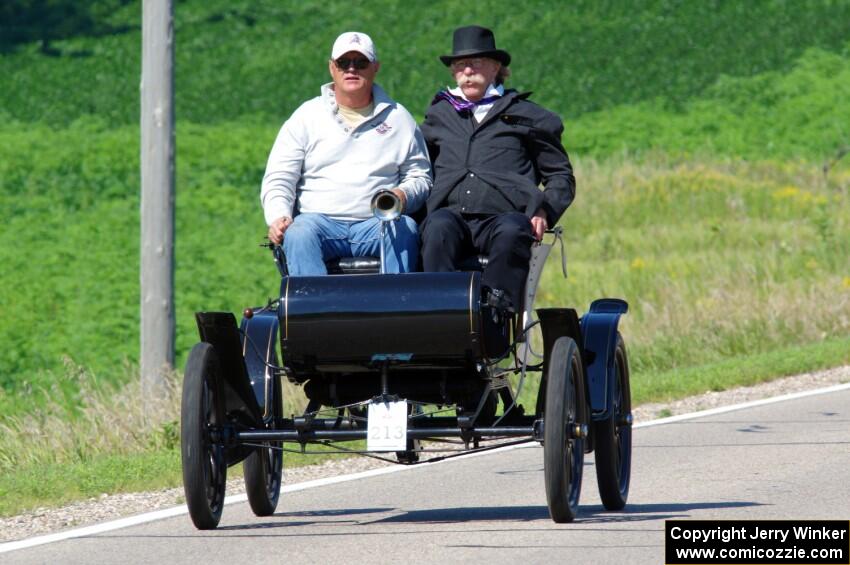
x=259, y=349
x=240, y=405
x=599, y=335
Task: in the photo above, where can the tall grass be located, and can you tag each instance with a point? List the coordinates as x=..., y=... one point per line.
x=718, y=258
x=88, y=438
x=100, y=420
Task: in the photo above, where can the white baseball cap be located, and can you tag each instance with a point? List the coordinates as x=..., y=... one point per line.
x=354, y=41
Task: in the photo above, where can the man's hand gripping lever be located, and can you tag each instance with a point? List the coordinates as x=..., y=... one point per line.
x=279, y=257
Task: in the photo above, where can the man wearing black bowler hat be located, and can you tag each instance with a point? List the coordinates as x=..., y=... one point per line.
x=491, y=149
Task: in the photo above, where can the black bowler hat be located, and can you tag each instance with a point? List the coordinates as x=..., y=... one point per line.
x=475, y=41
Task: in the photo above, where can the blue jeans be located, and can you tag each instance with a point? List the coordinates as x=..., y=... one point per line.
x=313, y=239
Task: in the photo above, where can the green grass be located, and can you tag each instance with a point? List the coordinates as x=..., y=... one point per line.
x=235, y=59
x=717, y=259
x=56, y=484
x=792, y=114
x=746, y=370
x=71, y=283
x=52, y=485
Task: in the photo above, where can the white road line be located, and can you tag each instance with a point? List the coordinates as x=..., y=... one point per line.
x=742, y=406
x=233, y=499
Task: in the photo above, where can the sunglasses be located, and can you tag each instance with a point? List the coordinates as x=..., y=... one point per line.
x=359, y=63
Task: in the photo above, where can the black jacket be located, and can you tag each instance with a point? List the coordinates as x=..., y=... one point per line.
x=497, y=165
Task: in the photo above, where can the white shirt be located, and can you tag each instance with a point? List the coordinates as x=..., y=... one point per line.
x=320, y=164
x=481, y=111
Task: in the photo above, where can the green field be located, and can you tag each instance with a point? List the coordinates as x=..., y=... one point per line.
x=708, y=140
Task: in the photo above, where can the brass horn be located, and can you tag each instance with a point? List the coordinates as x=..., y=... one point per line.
x=386, y=205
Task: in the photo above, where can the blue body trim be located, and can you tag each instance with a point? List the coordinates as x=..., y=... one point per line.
x=259, y=347
x=599, y=340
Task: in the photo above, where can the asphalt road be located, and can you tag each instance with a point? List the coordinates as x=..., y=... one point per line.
x=787, y=460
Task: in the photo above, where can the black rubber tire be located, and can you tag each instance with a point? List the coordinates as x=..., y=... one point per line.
x=613, y=439
x=263, y=468
x=204, y=462
x=563, y=452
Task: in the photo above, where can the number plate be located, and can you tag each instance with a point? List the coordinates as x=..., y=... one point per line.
x=387, y=426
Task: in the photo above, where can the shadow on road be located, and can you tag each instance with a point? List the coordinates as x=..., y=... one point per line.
x=587, y=514
x=343, y=515
x=659, y=511
x=353, y=519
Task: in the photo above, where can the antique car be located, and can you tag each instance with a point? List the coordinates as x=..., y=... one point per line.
x=414, y=364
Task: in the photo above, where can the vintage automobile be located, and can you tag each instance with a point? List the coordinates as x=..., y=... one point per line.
x=413, y=364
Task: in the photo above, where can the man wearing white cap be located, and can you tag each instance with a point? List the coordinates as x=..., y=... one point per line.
x=330, y=158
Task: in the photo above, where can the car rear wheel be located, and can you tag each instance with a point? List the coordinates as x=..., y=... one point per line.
x=263, y=468
x=613, y=438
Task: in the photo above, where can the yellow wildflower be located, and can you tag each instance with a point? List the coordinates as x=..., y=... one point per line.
x=638, y=264
x=786, y=192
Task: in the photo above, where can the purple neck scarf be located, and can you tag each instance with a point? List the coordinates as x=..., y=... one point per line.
x=459, y=103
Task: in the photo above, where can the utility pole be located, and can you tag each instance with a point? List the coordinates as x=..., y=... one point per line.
x=157, y=202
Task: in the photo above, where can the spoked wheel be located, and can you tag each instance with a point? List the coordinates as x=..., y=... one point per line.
x=613, y=439
x=563, y=443
x=201, y=416
x=263, y=469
